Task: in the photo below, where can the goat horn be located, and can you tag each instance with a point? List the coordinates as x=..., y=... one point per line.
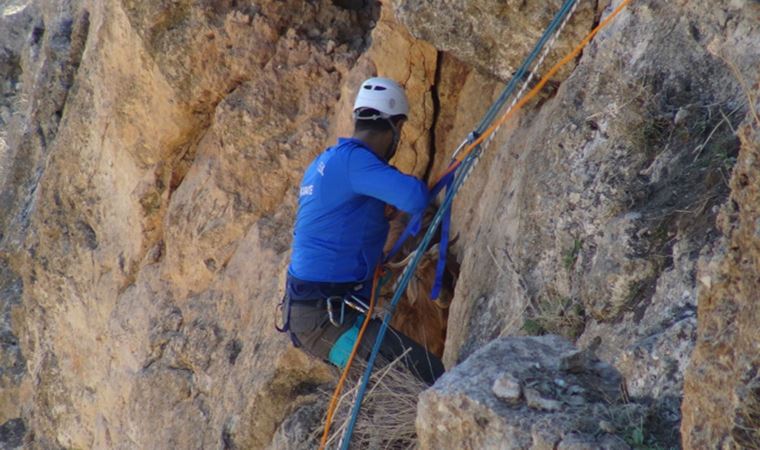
x=441, y=304
x=397, y=265
x=412, y=292
x=402, y=263
x=432, y=250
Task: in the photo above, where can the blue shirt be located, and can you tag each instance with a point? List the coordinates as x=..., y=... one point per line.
x=340, y=226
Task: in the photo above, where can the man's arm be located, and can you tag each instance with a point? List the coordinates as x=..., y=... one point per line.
x=368, y=175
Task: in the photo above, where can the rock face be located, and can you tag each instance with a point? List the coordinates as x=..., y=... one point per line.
x=722, y=392
x=12, y=360
x=528, y=392
x=494, y=36
x=396, y=54
x=297, y=431
x=149, y=158
x=145, y=231
x=598, y=204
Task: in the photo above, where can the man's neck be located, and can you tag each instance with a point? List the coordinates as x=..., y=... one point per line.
x=375, y=143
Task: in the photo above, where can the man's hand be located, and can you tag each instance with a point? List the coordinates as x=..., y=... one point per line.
x=391, y=212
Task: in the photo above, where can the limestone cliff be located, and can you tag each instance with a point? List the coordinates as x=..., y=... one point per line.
x=154, y=152
x=150, y=153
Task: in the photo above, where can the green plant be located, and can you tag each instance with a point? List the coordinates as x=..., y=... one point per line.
x=725, y=158
x=634, y=291
x=532, y=327
x=636, y=434
x=636, y=438
x=571, y=254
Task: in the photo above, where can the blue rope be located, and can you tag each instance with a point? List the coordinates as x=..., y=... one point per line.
x=518, y=76
x=461, y=174
x=466, y=165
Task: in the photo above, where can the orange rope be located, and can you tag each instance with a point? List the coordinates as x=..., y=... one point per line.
x=344, y=375
x=536, y=89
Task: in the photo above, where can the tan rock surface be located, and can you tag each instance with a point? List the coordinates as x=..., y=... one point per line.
x=494, y=36
x=394, y=53
x=557, y=406
x=158, y=232
x=157, y=235
x=722, y=390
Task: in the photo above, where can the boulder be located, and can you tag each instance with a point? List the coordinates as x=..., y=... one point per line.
x=518, y=393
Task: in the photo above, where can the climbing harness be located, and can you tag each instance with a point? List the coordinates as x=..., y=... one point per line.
x=356, y=303
x=334, y=297
x=284, y=305
x=463, y=162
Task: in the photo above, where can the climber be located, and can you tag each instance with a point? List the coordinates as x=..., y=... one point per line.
x=339, y=233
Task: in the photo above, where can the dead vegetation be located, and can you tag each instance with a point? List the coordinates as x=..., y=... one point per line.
x=746, y=431
x=386, y=419
x=554, y=314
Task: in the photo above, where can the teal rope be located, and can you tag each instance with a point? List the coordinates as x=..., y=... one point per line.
x=462, y=172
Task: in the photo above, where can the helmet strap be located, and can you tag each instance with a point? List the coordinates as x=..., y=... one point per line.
x=394, y=143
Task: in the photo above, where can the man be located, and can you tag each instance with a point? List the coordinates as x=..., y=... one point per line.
x=340, y=231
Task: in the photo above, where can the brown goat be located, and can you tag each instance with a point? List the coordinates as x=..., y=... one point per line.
x=416, y=315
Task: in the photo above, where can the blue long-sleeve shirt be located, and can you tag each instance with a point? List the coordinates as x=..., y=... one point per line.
x=340, y=226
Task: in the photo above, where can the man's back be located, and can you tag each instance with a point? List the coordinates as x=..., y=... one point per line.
x=340, y=227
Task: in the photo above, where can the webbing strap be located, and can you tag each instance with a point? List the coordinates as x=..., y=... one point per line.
x=443, y=245
x=415, y=223
x=284, y=305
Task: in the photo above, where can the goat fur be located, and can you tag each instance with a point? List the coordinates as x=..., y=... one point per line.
x=416, y=315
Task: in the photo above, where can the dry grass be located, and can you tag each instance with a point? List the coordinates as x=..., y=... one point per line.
x=561, y=316
x=556, y=315
x=744, y=86
x=746, y=430
x=386, y=419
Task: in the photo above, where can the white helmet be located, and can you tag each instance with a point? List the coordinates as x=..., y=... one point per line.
x=383, y=95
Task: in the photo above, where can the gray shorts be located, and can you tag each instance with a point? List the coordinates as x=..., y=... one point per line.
x=311, y=325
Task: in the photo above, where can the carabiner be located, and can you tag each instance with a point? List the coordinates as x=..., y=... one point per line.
x=330, y=313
